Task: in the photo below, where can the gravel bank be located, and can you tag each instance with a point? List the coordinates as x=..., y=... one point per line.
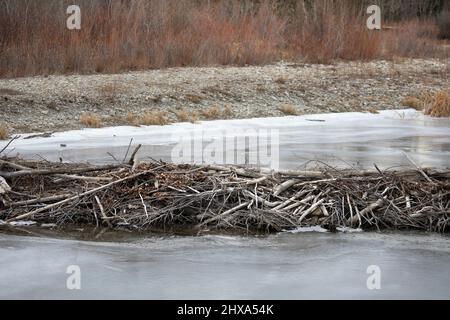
x=55, y=103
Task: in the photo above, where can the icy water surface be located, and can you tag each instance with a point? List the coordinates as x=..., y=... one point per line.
x=283, y=266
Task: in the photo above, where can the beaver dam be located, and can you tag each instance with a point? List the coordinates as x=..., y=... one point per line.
x=155, y=195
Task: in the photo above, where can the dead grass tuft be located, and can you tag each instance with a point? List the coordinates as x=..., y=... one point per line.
x=149, y=118
x=228, y=111
x=440, y=105
x=91, y=120
x=413, y=102
x=212, y=113
x=132, y=119
x=288, y=109
x=194, y=98
x=154, y=118
x=3, y=132
x=184, y=115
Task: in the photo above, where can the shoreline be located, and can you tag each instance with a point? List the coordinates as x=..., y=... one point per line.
x=157, y=97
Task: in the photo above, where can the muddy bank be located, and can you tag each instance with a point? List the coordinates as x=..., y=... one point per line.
x=56, y=103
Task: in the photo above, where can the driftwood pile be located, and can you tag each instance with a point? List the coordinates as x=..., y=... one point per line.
x=155, y=195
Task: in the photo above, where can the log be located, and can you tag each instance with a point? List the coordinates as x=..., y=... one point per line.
x=364, y=212
x=4, y=186
x=32, y=172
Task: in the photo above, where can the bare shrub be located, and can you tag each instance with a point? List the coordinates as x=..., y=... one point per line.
x=443, y=23
x=119, y=36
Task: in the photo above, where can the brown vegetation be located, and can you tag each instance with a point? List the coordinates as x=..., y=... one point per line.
x=288, y=109
x=153, y=118
x=433, y=104
x=3, y=132
x=149, y=118
x=413, y=102
x=440, y=105
x=184, y=115
x=139, y=34
x=91, y=120
x=194, y=98
x=212, y=113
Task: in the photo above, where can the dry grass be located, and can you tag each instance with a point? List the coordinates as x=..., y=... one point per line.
x=435, y=104
x=3, y=132
x=212, y=113
x=414, y=103
x=149, y=118
x=91, y=120
x=440, y=105
x=132, y=119
x=184, y=115
x=288, y=109
x=154, y=118
x=194, y=98
x=228, y=111
x=119, y=36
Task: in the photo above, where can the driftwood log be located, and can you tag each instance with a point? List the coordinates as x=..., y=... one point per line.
x=155, y=195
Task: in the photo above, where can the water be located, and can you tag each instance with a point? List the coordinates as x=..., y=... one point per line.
x=283, y=266
x=349, y=140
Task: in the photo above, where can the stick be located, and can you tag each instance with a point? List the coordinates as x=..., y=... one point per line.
x=418, y=168
x=370, y=208
x=314, y=207
x=226, y=213
x=62, y=176
x=41, y=200
x=31, y=172
x=133, y=155
x=144, y=205
x=9, y=143
x=284, y=186
x=102, y=211
x=26, y=215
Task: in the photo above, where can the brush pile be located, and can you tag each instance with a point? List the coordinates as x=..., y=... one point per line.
x=155, y=195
